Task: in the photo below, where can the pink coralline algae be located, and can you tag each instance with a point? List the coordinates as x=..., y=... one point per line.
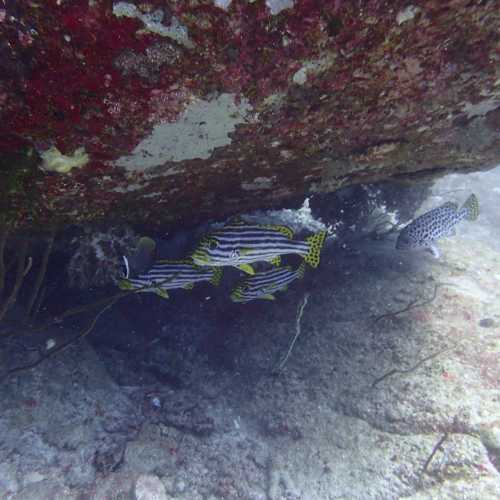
x=331, y=82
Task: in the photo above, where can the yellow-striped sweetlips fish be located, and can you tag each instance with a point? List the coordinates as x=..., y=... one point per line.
x=170, y=274
x=264, y=284
x=241, y=244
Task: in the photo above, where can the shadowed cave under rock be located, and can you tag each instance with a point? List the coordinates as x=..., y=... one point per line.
x=390, y=389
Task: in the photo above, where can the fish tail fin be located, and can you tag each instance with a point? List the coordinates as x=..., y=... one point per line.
x=316, y=242
x=217, y=276
x=471, y=207
x=301, y=270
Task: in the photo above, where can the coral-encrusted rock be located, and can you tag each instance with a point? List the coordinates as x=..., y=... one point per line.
x=140, y=109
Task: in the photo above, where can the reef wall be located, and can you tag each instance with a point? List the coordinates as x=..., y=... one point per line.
x=161, y=112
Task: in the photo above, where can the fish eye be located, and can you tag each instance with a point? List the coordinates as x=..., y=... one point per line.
x=212, y=244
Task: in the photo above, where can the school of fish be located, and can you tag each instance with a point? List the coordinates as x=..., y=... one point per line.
x=242, y=245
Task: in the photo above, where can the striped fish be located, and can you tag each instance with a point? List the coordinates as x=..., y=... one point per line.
x=169, y=274
x=263, y=285
x=241, y=244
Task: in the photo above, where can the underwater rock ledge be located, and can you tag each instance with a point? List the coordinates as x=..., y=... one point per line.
x=165, y=112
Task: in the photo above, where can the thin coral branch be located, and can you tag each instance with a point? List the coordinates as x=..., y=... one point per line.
x=23, y=268
x=298, y=329
x=438, y=445
x=417, y=365
x=41, y=272
x=39, y=301
x=412, y=305
x=85, y=308
x=4, y=231
x=60, y=347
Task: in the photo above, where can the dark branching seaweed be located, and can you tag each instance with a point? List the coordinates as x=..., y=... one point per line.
x=418, y=302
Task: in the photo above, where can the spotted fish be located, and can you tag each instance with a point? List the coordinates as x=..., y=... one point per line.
x=437, y=223
x=241, y=244
x=169, y=274
x=264, y=284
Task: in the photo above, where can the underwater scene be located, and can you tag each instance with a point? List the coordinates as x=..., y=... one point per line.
x=345, y=346
x=249, y=250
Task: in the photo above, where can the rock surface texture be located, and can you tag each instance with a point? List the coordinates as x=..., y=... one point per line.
x=183, y=110
x=391, y=390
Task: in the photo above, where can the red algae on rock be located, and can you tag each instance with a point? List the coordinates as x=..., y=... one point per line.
x=333, y=93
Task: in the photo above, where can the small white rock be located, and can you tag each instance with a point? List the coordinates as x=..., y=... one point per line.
x=300, y=77
x=149, y=487
x=407, y=14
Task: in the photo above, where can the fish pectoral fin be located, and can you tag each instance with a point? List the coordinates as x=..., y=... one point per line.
x=247, y=268
x=434, y=250
x=161, y=292
x=125, y=284
x=268, y=296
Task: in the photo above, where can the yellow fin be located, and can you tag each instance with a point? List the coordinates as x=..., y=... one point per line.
x=316, y=242
x=189, y=286
x=267, y=297
x=247, y=268
x=146, y=243
x=162, y=293
x=217, y=276
x=276, y=261
x=285, y=230
x=125, y=285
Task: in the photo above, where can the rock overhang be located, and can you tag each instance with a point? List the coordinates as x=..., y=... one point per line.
x=188, y=110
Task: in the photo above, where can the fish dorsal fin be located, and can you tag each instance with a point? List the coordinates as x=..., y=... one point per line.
x=284, y=230
x=451, y=205
x=247, y=268
x=236, y=221
x=276, y=261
